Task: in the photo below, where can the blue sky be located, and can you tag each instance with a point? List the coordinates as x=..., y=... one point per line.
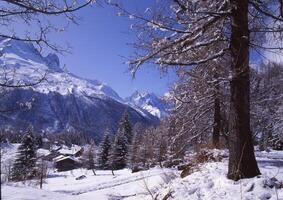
x=99, y=43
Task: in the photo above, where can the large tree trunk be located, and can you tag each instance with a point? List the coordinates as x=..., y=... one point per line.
x=217, y=119
x=242, y=162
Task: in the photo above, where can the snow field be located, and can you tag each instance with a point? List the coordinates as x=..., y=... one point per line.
x=209, y=182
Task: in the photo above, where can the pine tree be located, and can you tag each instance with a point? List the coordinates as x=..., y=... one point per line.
x=89, y=157
x=104, y=150
x=118, y=154
x=122, y=141
x=25, y=164
x=133, y=158
x=125, y=128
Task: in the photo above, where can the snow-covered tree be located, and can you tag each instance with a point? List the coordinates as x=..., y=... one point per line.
x=200, y=106
x=125, y=128
x=133, y=153
x=183, y=34
x=104, y=151
x=90, y=157
x=121, y=144
x=25, y=164
x=138, y=149
x=266, y=104
x=118, y=154
x=35, y=15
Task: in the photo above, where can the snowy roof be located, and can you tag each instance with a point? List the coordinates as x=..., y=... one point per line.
x=58, y=158
x=43, y=152
x=70, y=151
x=55, y=147
x=61, y=157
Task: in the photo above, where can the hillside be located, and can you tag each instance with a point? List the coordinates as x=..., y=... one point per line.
x=62, y=101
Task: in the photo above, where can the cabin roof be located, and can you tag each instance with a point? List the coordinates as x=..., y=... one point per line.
x=62, y=157
x=70, y=150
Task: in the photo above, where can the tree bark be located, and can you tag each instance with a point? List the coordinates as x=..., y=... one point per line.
x=41, y=181
x=242, y=162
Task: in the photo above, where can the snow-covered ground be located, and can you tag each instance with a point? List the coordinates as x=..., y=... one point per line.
x=207, y=183
x=102, y=186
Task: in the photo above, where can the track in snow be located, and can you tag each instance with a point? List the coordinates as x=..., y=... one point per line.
x=111, y=184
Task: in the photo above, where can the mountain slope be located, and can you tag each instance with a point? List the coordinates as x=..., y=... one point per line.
x=30, y=66
x=149, y=102
x=62, y=102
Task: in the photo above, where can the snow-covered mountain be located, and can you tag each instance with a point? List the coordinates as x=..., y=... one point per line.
x=30, y=66
x=149, y=102
x=60, y=102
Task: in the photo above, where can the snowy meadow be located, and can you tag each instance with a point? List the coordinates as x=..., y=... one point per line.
x=207, y=181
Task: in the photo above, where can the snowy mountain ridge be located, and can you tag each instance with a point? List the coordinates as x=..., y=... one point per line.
x=31, y=66
x=149, y=102
x=62, y=100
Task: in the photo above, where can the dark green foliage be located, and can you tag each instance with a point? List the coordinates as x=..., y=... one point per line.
x=119, y=151
x=125, y=128
x=90, y=164
x=38, y=141
x=104, y=150
x=118, y=154
x=88, y=157
x=25, y=164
